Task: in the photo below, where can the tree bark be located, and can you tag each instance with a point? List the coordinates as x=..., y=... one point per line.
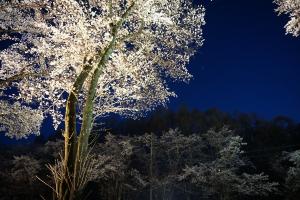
x=89, y=104
x=76, y=148
x=65, y=188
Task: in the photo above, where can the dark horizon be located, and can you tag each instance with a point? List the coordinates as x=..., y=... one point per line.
x=48, y=131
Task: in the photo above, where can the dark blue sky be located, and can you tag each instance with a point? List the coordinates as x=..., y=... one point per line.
x=247, y=63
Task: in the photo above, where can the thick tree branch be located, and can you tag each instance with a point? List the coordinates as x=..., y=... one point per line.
x=20, y=76
x=70, y=126
x=89, y=104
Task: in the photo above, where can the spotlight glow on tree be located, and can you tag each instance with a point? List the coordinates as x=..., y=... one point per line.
x=85, y=59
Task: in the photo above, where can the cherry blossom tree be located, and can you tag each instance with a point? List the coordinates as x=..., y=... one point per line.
x=20, y=170
x=222, y=176
x=291, y=8
x=292, y=180
x=114, y=172
x=80, y=60
x=18, y=120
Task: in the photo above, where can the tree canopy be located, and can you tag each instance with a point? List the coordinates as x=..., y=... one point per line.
x=121, y=49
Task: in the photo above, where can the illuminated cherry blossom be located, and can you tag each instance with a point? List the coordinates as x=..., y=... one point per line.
x=56, y=41
x=291, y=8
x=94, y=57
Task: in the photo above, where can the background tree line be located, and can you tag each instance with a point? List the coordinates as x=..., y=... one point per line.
x=172, y=155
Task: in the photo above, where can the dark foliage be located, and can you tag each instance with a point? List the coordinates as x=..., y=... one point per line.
x=267, y=141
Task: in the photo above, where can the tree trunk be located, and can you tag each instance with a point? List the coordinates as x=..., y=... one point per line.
x=66, y=191
x=87, y=121
x=76, y=149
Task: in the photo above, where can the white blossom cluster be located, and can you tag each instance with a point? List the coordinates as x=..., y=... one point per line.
x=293, y=175
x=291, y=8
x=55, y=39
x=112, y=163
x=25, y=168
x=222, y=174
x=19, y=121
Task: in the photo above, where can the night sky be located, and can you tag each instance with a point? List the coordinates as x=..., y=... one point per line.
x=247, y=63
